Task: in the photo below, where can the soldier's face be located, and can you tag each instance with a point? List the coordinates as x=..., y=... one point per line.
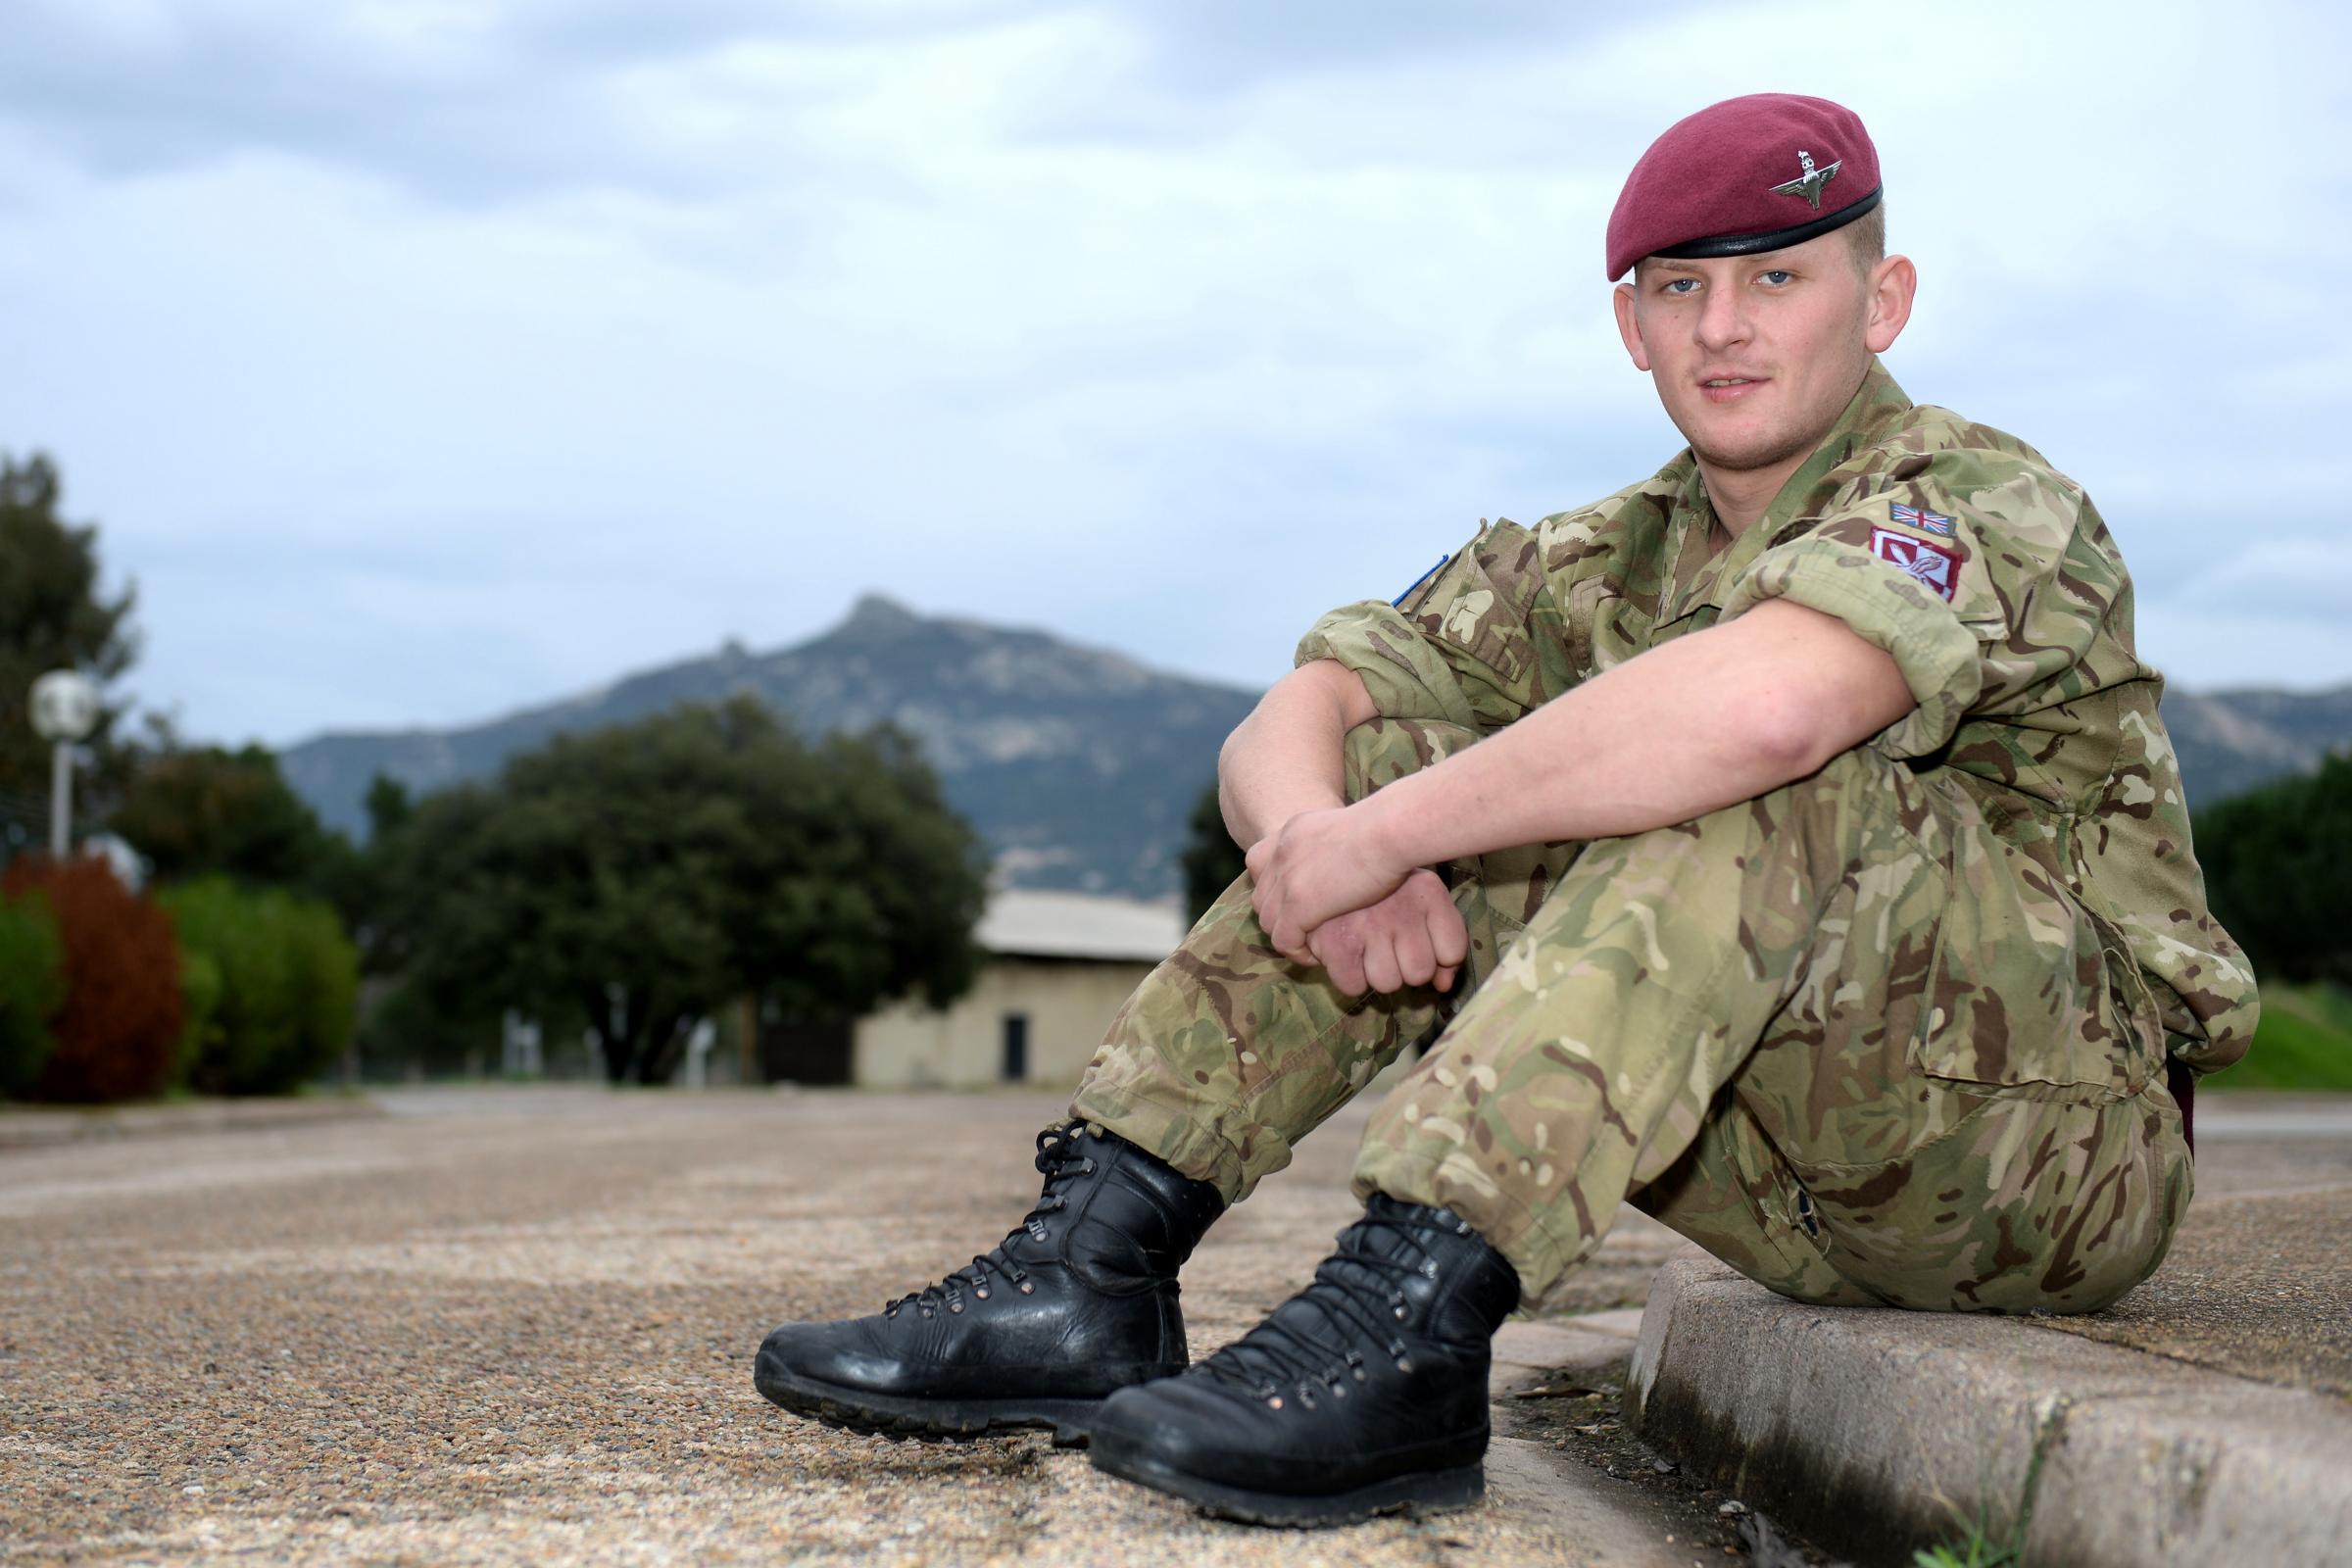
x=1756, y=356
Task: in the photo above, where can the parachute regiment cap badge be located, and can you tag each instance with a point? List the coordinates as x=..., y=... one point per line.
x=1808, y=184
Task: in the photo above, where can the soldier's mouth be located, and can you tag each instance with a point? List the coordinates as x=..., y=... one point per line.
x=1729, y=388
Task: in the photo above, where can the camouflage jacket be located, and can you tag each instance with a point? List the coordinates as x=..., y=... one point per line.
x=1988, y=575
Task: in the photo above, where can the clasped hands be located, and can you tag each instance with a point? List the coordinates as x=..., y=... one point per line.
x=1328, y=896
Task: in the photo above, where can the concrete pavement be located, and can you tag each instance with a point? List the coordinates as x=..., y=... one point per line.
x=49, y=1126
x=515, y=1326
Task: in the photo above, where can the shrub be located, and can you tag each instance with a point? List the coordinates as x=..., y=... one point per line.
x=116, y=1034
x=199, y=1000
x=32, y=987
x=281, y=980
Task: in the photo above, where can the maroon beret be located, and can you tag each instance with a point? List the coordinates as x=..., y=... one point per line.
x=1746, y=176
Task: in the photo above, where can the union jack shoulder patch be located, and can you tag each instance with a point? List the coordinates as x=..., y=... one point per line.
x=1919, y=517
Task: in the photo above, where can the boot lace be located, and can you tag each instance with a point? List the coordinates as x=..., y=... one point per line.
x=1322, y=1336
x=1061, y=1162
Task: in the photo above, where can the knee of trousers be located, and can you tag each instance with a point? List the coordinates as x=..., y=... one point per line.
x=1780, y=860
x=2027, y=1205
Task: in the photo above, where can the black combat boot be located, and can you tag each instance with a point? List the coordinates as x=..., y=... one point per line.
x=1078, y=1302
x=1364, y=1394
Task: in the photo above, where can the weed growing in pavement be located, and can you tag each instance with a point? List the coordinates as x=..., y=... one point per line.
x=1982, y=1547
x=1976, y=1552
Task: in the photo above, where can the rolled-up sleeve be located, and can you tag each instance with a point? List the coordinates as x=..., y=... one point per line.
x=1477, y=644
x=1405, y=674
x=1981, y=573
x=1940, y=650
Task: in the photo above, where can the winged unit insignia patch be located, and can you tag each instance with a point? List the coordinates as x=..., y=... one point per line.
x=1934, y=567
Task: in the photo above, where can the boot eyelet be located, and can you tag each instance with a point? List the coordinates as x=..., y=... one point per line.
x=1361, y=1376
x=1028, y=1289
x=1274, y=1402
x=1306, y=1398
x=1400, y=1310
x=1403, y=1365
x=982, y=1294
x=955, y=1306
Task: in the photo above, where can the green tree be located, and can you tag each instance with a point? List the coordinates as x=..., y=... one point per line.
x=2274, y=861
x=204, y=810
x=363, y=881
x=32, y=987
x=639, y=877
x=1211, y=860
x=52, y=616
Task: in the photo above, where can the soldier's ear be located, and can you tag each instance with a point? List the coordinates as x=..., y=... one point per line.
x=1628, y=324
x=1893, y=283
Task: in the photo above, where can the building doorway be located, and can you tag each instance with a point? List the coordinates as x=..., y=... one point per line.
x=1015, y=1067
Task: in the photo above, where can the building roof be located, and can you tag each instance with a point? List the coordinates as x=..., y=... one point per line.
x=1026, y=922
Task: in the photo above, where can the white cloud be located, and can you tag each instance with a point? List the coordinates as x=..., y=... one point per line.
x=422, y=362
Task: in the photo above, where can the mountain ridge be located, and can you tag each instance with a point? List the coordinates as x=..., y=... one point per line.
x=1078, y=764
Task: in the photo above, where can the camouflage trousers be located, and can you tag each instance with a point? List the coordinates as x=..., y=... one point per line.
x=1842, y=1035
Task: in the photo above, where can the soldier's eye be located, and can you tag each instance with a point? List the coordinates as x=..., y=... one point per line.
x=1681, y=285
x=1776, y=277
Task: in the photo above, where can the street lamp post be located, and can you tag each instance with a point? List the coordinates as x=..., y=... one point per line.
x=65, y=709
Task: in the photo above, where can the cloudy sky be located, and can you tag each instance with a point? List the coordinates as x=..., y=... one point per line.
x=422, y=358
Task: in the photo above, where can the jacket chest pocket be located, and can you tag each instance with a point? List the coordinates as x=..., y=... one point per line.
x=2028, y=987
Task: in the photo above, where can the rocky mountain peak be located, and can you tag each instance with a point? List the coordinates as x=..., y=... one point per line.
x=873, y=618
x=1078, y=765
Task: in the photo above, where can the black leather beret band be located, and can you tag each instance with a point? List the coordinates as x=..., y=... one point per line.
x=1775, y=239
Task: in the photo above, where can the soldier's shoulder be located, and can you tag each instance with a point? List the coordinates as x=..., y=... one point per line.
x=1947, y=452
x=1943, y=463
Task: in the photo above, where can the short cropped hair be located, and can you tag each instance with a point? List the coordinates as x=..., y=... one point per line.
x=1867, y=235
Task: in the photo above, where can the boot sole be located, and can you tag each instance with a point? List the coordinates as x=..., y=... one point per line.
x=1420, y=1492
x=882, y=1415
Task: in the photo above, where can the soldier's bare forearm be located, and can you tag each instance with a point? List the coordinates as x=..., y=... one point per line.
x=1286, y=756
x=1691, y=727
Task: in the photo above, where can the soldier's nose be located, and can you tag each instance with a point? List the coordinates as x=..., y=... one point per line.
x=1721, y=323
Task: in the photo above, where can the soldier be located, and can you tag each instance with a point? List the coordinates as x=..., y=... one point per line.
x=1787, y=843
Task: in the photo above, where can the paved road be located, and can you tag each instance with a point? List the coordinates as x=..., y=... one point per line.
x=515, y=1326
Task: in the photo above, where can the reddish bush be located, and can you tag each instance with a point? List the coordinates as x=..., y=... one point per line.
x=117, y=1034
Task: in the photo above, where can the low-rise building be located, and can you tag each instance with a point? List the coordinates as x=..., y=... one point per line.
x=1057, y=967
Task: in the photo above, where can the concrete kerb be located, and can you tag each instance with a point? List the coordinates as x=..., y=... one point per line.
x=1876, y=1432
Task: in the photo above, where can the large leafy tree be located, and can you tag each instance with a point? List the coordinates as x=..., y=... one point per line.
x=202, y=810
x=2274, y=861
x=640, y=876
x=52, y=616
